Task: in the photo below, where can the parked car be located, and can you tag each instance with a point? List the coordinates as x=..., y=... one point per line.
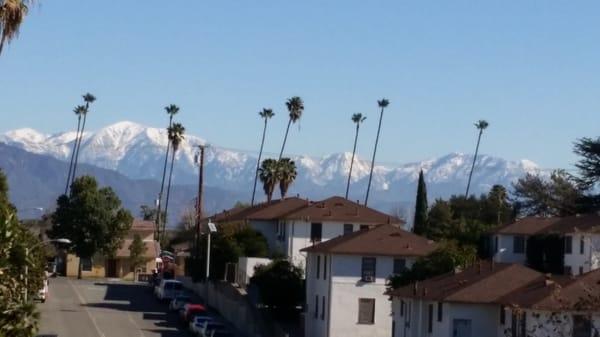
x=169, y=289
x=178, y=302
x=190, y=310
x=198, y=322
x=206, y=330
x=42, y=294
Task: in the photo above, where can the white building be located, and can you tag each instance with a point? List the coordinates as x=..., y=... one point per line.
x=346, y=280
x=580, y=233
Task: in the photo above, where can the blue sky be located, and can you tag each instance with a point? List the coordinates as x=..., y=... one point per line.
x=529, y=67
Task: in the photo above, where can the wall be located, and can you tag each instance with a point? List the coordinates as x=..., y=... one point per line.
x=124, y=268
x=590, y=258
x=544, y=323
x=508, y=255
x=317, y=287
x=97, y=267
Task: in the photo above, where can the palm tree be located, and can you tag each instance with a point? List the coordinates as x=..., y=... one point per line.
x=176, y=136
x=286, y=174
x=295, y=106
x=88, y=99
x=12, y=13
x=79, y=110
x=383, y=103
x=265, y=114
x=357, y=119
x=480, y=125
x=268, y=175
x=171, y=110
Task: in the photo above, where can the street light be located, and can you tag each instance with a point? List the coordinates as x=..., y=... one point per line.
x=212, y=228
x=61, y=240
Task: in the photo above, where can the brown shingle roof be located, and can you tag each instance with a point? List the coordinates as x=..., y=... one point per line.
x=385, y=240
x=484, y=282
x=558, y=225
x=152, y=249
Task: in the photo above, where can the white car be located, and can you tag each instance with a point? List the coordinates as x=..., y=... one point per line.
x=198, y=322
x=169, y=289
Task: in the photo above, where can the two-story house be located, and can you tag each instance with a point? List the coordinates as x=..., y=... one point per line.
x=579, y=249
x=346, y=280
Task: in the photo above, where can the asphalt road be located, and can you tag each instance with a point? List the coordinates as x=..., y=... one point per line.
x=100, y=308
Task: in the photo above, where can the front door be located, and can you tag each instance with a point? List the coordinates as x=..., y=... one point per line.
x=111, y=268
x=461, y=328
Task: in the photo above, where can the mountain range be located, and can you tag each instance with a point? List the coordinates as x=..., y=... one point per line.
x=133, y=155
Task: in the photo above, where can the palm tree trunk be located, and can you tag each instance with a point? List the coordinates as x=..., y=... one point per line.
x=73, y=154
x=78, y=147
x=168, y=192
x=162, y=184
x=473, y=166
x=352, y=161
x=2, y=43
x=285, y=138
x=262, y=143
x=373, y=160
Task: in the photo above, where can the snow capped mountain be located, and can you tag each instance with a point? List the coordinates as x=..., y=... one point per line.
x=138, y=152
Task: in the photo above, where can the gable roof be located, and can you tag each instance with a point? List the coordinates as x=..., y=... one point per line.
x=140, y=225
x=556, y=225
x=384, y=240
x=484, y=282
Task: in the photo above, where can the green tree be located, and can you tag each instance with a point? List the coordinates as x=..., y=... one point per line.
x=421, y=208
x=440, y=221
x=265, y=114
x=88, y=99
x=149, y=213
x=268, y=174
x=92, y=218
x=558, y=196
x=171, y=110
x=496, y=208
x=357, y=119
x=280, y=285
x=588, y=150
x=286, y=174
x=295, y=106
x=251, y=242
x=176, y=136
x=383, y=103
x=137, y=251
x=480, y=125
x=12, y=13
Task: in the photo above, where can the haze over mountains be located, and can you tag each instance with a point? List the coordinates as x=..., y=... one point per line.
x=136, y=153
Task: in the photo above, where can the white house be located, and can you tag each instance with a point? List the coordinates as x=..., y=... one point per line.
x=346, y=280
x=581, y=235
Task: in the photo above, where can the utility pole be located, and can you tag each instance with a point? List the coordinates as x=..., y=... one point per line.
x=200, y=162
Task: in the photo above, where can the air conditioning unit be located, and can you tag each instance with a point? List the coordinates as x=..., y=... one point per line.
x=369, y=279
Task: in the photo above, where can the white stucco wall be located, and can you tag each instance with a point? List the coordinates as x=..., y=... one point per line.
x=590, y=258
x=245, y=269
x=544, y=324
x=505, y=251
x=317, y=326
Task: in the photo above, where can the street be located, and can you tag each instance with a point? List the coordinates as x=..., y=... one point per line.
x=101, y=308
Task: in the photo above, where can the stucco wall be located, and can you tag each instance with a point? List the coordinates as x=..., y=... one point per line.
x=97, y=267
x=505, y=252
x=590, y=258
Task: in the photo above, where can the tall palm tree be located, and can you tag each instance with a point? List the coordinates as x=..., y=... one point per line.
x=268, y=175
x=295, y=106
x=79, y=110
x=12, y=13
x=176, y=136
x=265, y=114
x=357, y=119
x=88, y=99
x=383, y=103
x=480, y=125
x=171, y=110
x=286, y=174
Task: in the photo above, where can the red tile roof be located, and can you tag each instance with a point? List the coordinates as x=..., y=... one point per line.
x=384, y=240
x=558, y=225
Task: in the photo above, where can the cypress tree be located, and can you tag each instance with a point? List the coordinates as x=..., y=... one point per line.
x=420, y=223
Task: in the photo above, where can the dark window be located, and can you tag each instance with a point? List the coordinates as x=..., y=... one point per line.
x=324, y=267
x=582, y=326
x=581, y=246
x=401, y=308
x=318, y=266
x=502, y=315
x=440, y=312
x=316, y=306
x=348, y=228
x=518, y=244
x=316, y=231
x=580, y=270
x=364, y=227
x=366, y=310
x=567, y=270
x=323, y=308
x=523, y=325
x=394, y=328
x=368, y=269
x=496, y=248
x=399, y=266
x=514, y=319
x=519, y=325
x=568, y=244
x=86, y=264
x=430, y=319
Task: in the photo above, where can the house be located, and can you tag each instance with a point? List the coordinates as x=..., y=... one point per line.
x=291, y=224
x=119, y=266
x=346, y=280
x=578, y=249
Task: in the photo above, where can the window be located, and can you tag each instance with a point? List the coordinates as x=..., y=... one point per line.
x=502, y=315
x=316, y=231
x=399, y=266
x=368, y=269
x=430, y=318
x=281, y=231
x=86, y=264
x=402, y=308
x=323, y=308
x=580, y=270
x=519, y=325
x=316, y=306
x=567, y=270
x=366, y=310
x=324, y=267
x=582, y=326
x=496, y=248
x=568, y=244
x=393, y=328
x=348, y=228
x=364, y=227
x=581, y=245
x=440, y=312
x=518, y=244
x=318, y=266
